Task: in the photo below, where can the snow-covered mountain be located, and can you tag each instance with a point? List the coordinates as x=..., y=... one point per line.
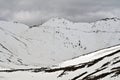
x=54, y=41
x=99, y=65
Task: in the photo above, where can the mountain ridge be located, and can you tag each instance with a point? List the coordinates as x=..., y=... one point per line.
x=55, y=39
x=46, y=52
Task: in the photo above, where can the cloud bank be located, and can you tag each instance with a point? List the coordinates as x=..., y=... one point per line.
x=36, y=11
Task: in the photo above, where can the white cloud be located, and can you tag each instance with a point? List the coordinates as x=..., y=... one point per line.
x=32, y=17
x=28, y=17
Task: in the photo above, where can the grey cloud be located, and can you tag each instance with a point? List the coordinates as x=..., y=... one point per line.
x=35, y=11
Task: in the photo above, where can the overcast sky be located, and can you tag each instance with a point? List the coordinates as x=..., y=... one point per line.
x=34, y=11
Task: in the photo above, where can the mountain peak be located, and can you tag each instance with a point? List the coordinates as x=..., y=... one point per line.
x=113, y=18
x=57, y=20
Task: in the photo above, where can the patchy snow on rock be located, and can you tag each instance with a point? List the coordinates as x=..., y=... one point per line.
x=104, y=65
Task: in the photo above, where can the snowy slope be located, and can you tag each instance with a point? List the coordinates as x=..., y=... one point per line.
x=60, y=37
x=100, y=65
x=10, y=41
x=54, y=41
